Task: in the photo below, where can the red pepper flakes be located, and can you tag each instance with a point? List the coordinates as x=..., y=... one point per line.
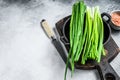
x=116, y=18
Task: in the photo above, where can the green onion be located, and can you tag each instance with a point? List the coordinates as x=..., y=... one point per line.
x=86, y=35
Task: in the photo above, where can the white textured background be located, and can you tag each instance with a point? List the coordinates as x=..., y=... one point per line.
x=25, y=51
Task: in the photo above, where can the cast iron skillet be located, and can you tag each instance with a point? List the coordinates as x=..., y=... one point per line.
x=104, y=68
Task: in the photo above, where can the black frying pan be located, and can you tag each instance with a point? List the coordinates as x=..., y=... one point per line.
x=104, y=68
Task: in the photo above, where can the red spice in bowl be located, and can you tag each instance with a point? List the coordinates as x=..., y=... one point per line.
x=116, y=18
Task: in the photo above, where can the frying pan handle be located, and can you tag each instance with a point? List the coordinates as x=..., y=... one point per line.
x=64, y=40
x=107, y=15
x=107, y=72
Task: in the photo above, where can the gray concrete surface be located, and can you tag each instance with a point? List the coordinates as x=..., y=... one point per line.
x=25, y=51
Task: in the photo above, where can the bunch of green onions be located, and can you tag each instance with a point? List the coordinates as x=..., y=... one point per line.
x=86, y=35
